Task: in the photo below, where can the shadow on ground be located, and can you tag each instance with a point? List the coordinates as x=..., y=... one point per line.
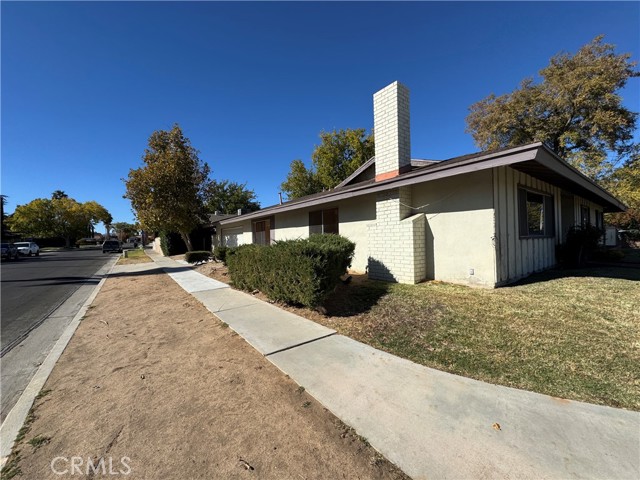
x=624, y=272
x=358, y=296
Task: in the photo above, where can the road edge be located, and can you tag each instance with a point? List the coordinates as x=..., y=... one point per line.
x=18, y=414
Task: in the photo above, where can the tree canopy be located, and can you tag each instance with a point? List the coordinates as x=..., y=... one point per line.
x=168, y=193
x=59, y=216
x=228, y=197
x=124, y=229
x=340, y=153
x=575, y=109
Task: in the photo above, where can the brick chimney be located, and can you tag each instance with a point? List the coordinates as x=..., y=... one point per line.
x=391, y=129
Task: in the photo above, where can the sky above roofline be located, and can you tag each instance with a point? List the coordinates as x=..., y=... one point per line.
x=84, y=84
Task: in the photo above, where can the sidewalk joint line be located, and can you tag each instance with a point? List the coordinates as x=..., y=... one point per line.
x=300, y=344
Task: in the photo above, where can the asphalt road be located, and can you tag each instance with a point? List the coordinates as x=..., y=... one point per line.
x=33, y=287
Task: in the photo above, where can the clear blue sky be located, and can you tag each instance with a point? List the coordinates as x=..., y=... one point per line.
x=84, y=84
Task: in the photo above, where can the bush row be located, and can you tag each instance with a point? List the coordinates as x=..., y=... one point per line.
x=298, y=272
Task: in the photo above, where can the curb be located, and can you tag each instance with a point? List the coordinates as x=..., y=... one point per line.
x=16, y=417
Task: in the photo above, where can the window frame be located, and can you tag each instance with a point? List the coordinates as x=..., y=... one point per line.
x=548, y=213
x=318, y=221
x=267, y=231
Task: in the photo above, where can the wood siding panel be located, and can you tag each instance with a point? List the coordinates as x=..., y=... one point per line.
x=519, y=257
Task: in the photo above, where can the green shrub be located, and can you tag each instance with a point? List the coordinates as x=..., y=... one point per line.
x=197, y=256
x=220, y=253
x=172, y=244
x=579, y=246
x=299, y=272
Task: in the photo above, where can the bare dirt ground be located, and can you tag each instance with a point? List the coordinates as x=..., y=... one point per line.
x=151, y=375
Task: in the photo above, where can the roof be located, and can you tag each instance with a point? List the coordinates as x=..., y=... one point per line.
x=535, y=159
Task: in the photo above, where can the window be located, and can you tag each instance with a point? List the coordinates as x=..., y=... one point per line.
x=585, y=216
x=599, y=220
x=323, y=221
x=262, y=232
x=536, y=214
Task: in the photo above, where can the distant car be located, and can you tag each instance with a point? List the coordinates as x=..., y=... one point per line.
x=9, y=251
x=111, y=246
x=27, y=248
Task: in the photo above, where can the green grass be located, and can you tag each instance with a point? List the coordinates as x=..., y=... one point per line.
x=570, y=334
x=134, y=256
x=38, y=441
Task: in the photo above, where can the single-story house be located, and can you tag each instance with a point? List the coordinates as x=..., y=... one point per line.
x=484, y=219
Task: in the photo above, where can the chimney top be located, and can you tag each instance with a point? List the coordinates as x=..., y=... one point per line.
x=391, y=128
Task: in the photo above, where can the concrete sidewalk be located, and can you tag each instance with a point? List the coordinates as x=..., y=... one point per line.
x=430, y=423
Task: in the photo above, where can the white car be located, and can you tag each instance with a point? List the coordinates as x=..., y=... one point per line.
x=27, y=248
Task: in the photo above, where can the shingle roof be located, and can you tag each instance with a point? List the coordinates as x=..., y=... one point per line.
x=525, y=154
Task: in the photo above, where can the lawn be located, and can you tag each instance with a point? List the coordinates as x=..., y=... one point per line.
x=570, y=334
x=134, y=256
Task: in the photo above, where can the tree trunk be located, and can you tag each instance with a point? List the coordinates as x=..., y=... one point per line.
x=187, y=241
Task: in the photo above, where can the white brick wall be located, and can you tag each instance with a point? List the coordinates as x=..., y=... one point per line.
x=392, y=128
x=397, y=239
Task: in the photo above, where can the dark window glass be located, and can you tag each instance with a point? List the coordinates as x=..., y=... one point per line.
x=585, y=216
x=323, y=221
x=261, y=233
x=536, y=214
x=315, y=222
x=330, y=221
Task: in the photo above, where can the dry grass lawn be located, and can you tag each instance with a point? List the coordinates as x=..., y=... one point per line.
x=151, y=375
x=134, y=256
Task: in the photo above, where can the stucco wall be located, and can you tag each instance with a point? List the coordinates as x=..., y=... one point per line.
x=459, y=228
x=354, y=215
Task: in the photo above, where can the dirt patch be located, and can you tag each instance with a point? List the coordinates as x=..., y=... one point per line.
x=215, y=270
x=152, y=376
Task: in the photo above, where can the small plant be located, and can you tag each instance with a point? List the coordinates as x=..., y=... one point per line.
x=44, y=393
x=306, y=404
x=11, y=468
x=196, y=257
x=300, y=389
x=38, y=441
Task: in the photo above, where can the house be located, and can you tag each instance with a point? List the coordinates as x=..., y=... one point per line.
x=484, y=219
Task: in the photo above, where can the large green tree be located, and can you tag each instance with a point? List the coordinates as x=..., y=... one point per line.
x=340, y=153
x=576, y=109
x=59, y=216
x=168, y=192
x=124, y=229
x=624, y=183
x=226, y=196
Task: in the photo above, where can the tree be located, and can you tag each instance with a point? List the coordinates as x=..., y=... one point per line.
x=575, y=109
x=59, y=194
x=59, y=216
x=124, y=230
x=3, y=216
x=228, y=197
x=168, y=192
x=624, y=183
x=340, y=153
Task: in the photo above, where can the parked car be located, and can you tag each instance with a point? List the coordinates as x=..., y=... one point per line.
x=9, y=251
x=27, y=248
x=112, y=246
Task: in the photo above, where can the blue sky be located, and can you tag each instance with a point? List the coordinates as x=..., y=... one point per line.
x=84, y=84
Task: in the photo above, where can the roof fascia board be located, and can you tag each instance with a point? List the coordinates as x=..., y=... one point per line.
x=358, y=171
x=428, y=174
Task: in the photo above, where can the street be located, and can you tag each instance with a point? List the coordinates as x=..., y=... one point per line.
x=34, y=286
x=40, y=296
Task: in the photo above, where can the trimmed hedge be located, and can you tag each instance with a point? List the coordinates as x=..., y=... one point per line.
x=301, y=272
x=197, y=256
x=221, y=252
